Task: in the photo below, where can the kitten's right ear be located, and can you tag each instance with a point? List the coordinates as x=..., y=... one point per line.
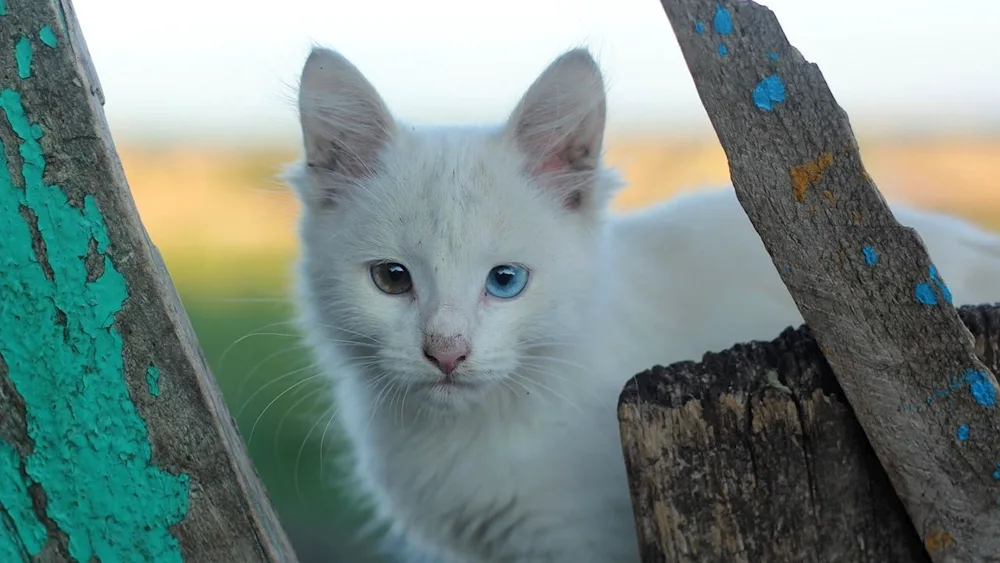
x=559, y=125
x=344, y=121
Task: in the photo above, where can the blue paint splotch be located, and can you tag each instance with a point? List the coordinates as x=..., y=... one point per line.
x=699, y=28
x=924, y=291
x=64, y=356
x=925, y=294
x=954, y=384
x=3, y=8
x=772, y=56
x=23, y=54
x=871, y=255
x=962, y=433
x=769, y=92
x=723, y=50
x=996, y=475
x=722, y=21
x=981, y=388
x=945, y=292
x=48, y=37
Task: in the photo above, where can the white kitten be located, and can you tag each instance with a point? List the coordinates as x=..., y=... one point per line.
x=478, y=311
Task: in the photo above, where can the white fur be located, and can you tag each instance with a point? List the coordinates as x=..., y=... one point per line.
x=526, y=466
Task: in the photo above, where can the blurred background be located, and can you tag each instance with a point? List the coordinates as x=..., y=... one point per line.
x=200, y=100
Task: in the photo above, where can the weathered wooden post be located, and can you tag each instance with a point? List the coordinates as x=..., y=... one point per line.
x=115, y=444
x=883, y=320
x=753, y=455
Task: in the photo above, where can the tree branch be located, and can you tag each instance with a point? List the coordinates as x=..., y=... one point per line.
x=864, y=283
x=115, y=443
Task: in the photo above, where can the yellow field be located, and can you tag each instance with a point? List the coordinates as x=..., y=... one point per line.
x=197, y=200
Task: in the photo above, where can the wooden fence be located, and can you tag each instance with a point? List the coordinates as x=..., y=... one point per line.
x=722, y=471
x=115, y=444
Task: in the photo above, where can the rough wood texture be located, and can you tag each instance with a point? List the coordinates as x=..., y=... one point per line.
x=864, y=284
x=754, y=455
x=115, y=443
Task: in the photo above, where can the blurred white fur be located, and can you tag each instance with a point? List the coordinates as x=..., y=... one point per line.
x=523, y=463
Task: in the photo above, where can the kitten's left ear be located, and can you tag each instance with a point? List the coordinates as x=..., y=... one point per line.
x=345, y=123
x=559, y=126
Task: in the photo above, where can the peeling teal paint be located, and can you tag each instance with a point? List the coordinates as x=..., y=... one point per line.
x=16, y=502
x=3, y=8
x=63, y=352
x=48, y=36
x=153, y=380
x=23, y=53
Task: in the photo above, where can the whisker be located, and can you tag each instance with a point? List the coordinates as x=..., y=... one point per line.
x=244, y=300
x=548, y=340
x=253, y=428
x=249, y=374
x=516, y=380
x=567, y=380
x=349, y=331
x=402, y=404
x=378, y=397
x=239, y=412
x=322, y=440
x=281, y=423
x=392, y=400
x=549, y=389
x=254, y=332
x=564, y=361
x=305, y=440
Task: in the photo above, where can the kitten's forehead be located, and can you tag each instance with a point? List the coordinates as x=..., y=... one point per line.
x=448, y=174
x=454, y=191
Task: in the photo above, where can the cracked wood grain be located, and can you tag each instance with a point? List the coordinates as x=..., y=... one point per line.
x=754, y=455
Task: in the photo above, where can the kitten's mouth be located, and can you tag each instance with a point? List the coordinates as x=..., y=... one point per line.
x=449, y=384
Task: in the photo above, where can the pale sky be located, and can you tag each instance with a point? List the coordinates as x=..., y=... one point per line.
x=217, y=69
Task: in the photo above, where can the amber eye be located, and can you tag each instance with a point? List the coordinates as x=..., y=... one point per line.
x=391, y=278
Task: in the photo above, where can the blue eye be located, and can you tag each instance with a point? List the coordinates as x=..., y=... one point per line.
x=506, y=281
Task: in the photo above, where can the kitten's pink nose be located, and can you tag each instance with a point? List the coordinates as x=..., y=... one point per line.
x=446, y=357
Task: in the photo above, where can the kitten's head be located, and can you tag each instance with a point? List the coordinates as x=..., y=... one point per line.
x=450, y=261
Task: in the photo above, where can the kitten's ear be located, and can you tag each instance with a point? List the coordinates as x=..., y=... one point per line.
x=344, y=121
x=559, y=125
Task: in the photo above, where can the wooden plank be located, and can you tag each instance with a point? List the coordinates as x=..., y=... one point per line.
x=863, y=283
x=754, y=455
x=115, y=443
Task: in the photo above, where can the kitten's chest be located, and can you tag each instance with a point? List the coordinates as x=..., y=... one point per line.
x=492, y=496
x=468, y=467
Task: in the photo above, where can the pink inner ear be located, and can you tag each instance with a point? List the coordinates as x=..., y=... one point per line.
x=552, y=163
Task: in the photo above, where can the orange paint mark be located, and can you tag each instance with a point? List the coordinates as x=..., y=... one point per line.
x=829, y=196
x=857, y=217
x=937, y=541
x=809, y=173
x=843, y=256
